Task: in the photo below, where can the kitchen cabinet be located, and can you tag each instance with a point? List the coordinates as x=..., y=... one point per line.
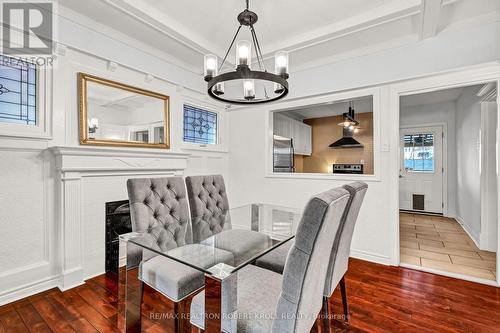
x=302, y=138
x=283, y=125
x=300, y=133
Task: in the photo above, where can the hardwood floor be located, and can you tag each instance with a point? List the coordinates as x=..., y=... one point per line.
x=440, y=243
x=381, y=299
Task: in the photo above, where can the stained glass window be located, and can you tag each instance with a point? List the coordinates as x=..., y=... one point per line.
x=17, y=91
x=200, y=126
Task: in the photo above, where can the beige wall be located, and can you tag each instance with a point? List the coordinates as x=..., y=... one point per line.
x=326, y=131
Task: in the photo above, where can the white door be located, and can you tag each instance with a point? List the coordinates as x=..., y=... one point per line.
x=421, y=169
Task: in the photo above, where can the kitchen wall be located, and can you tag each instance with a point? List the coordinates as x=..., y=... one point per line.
x=326, y=131
x=31, y=238
x=432, y=114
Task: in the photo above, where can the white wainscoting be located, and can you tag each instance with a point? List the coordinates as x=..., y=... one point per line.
x=27, y=242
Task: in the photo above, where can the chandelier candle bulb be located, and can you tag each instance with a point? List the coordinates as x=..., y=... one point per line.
x=281, y=62
x=278, y=88
x=219, y=89
x=248, y=89
x=243, y=53
x=210, y=65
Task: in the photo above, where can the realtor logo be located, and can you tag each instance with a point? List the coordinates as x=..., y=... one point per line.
x=27, y=27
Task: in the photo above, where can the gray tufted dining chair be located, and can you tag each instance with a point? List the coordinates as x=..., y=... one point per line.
x=288, y=303
x=339, y=255
x=159, y=207
x=211, y=220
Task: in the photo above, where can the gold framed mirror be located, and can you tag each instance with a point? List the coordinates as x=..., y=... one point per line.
x=116, y=114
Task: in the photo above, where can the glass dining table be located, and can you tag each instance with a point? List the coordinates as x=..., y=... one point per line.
x=271, y=225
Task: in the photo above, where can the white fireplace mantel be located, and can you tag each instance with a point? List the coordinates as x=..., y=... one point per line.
x=83, y=159
x=73, y=165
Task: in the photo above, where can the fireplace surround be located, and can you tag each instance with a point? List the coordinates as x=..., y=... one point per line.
x=87, y=178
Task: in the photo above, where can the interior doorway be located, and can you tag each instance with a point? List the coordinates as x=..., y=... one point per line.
x=421, y=170
x=448, y=194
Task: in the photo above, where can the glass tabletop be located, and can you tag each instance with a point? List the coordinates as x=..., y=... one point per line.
x=252, y=231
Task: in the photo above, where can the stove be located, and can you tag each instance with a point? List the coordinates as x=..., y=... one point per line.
x=348, y=168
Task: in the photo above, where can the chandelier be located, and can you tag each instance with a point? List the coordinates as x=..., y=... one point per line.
x=270, y=86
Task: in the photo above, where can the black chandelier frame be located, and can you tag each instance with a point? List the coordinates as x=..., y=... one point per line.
x=243, y=72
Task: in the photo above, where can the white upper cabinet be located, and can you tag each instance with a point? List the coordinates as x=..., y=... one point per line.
x=283, y=125
x=299, y=132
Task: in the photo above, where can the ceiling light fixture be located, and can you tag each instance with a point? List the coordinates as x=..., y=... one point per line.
x=349, y=120
x=248, y=77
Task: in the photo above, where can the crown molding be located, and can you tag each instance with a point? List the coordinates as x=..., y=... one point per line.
x=165, y=24
x=395, y=10
x=88, y=23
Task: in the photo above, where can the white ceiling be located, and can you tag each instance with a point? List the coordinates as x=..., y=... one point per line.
x=314, y=31
x=434, y=97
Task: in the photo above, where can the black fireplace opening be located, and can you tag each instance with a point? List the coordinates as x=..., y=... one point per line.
x=117, y=222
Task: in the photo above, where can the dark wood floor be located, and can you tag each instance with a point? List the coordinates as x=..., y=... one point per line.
x=381, y=299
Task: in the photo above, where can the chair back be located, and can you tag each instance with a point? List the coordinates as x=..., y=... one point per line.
x=305, y=270
x=159, y=207
x=209, y=206
x=339, y=256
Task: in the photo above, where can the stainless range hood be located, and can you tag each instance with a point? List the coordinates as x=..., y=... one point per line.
x=347, y=141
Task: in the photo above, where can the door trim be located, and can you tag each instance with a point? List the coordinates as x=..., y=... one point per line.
x=444, y=158
x=488, y=217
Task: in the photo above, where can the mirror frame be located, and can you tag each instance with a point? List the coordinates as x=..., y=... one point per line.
x=83, y=79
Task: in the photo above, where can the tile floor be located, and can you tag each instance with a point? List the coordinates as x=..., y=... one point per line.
x=440, y=243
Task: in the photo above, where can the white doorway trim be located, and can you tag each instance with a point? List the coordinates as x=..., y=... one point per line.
x=444, y=157
x=489, y=184
x=466, y=77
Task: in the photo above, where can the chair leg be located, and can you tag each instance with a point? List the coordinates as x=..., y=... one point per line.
x=181, y=315
x=326, y=315
x=344, y=299
x=141, y=290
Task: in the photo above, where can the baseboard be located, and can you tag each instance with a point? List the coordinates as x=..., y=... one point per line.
x=468, y=231
x=370, y=256
x=27, y=290
x=71, y=278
